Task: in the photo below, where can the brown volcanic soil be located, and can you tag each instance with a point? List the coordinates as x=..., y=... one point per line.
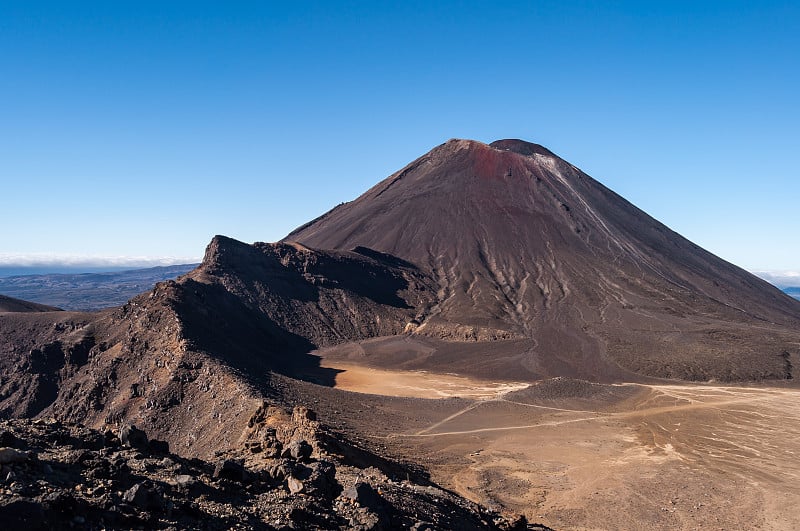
x=522, y=244
x=510, y=359
x=38, y=351
x=573, y=454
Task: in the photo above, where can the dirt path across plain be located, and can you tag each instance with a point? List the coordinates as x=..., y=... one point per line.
x=678, y=456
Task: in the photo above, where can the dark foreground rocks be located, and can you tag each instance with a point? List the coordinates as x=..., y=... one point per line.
x=289, y=473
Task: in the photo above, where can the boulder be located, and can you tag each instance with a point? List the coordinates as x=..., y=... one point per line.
x=298, y=449
x=144, y=496
x=133, y=437
x=364, y=495
x=184, y=480
x=294, y=485
x=319, y=479
x=12, y=455
x=230, y=469
x=8, y=439
x=280, y=472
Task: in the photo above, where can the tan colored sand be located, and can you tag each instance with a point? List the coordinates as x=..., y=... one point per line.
x=674, y=457
x=418, y=384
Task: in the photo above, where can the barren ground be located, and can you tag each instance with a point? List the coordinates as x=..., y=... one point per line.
x=574, y=455
x=417, y=384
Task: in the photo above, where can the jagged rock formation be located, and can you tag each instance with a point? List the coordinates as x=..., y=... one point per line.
x=324, y=297
x=66, y=476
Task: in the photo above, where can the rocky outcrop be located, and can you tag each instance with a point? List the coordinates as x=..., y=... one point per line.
x=65, y=476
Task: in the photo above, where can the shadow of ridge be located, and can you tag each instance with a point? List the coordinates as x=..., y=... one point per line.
x=385, y=258
x=247, y=340
x=376, y=276
x=285, y=272
x=314, y=372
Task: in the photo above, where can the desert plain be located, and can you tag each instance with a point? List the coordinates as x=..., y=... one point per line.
x=572, y=454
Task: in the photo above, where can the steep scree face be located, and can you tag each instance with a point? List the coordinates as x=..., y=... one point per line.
x=521, y=243
x=319, y=297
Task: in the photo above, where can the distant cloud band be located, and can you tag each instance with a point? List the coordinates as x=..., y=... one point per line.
x=782, y=279
x=52, y=260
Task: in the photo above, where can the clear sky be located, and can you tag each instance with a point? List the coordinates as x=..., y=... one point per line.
x=141, y=129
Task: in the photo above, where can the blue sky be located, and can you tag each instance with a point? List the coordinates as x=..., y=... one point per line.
x=138, y=130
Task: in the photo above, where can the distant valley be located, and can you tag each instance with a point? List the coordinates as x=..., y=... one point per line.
x=88, y=291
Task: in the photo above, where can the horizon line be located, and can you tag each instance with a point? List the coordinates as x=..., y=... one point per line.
x=780, y=278
x=40, y=260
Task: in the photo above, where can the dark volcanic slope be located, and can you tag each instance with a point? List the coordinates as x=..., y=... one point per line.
x=10, y=304
x=37, y=351
x=522, y=244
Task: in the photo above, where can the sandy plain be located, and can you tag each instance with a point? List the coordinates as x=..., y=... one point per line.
x=589, y=456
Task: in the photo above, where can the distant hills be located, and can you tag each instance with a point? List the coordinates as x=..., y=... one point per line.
x=794, y=292
x=88, y=291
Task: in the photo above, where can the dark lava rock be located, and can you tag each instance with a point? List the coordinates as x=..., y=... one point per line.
x=144, y=496
x=280, y=471
x=133, y=437
x=60, y=504
x=319, y=479
x=22, y=515
x=298, y=449
x=271, y=446
x=230, y=469
x=254, y=446
x=63, y=484
x=364, y=495
x=110, y=440
x=12, y=455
